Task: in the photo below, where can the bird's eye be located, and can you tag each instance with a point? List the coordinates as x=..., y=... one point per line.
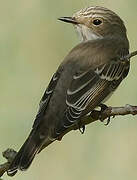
x=97, y=22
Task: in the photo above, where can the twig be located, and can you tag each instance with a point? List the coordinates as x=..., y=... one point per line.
x=9, y=154
x=102, y=115
x=129, y=56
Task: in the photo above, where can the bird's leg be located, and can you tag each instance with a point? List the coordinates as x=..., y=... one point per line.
x=103, y=108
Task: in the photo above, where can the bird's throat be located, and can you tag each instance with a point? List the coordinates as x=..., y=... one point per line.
x=85, y=33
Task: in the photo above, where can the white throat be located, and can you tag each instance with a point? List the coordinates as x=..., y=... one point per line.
x=85, y=33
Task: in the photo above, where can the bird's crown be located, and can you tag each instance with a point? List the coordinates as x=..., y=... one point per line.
x=96, y=21
x=98, y=17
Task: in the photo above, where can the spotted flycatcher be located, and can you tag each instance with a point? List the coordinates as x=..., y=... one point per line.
x=89, y=74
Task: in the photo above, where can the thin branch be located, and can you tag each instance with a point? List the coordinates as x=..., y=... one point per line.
x=9, y=154
x=129, y=56
x=102, y=115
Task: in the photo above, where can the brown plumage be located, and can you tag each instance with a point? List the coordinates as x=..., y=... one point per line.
x=88, y=74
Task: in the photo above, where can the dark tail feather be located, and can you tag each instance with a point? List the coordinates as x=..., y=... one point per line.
x=26, y=154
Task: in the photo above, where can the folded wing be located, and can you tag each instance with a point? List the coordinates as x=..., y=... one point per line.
x=88, y=89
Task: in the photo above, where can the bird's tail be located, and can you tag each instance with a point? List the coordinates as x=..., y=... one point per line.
x=26, y=154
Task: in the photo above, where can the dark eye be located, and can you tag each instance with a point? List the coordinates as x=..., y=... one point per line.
x=97, y=22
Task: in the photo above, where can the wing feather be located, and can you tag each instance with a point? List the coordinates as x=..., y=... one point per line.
x=112, y=71
x=45, y=99
x=90, y=88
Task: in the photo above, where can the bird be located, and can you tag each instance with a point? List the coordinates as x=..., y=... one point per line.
x=87, y=76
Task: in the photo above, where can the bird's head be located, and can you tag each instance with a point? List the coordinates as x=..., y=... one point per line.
x=96, y=22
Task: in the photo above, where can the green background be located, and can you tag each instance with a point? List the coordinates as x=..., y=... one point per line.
x=32, y=45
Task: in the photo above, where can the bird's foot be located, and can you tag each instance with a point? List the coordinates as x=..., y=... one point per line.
x=103, y=108
x=81, y=128
x=108, y=121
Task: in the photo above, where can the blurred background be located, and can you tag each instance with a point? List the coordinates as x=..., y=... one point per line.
x=32, y=45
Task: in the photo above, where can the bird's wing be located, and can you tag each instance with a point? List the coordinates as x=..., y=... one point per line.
x=45, y=99
x=90, y=88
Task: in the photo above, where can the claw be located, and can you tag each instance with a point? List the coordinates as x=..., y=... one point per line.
x=108, y=121
x=82, y=129
x=103, y=108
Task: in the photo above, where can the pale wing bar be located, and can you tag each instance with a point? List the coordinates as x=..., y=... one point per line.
x=111, y=71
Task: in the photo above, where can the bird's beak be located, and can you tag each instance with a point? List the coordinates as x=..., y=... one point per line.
x=71, y=20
